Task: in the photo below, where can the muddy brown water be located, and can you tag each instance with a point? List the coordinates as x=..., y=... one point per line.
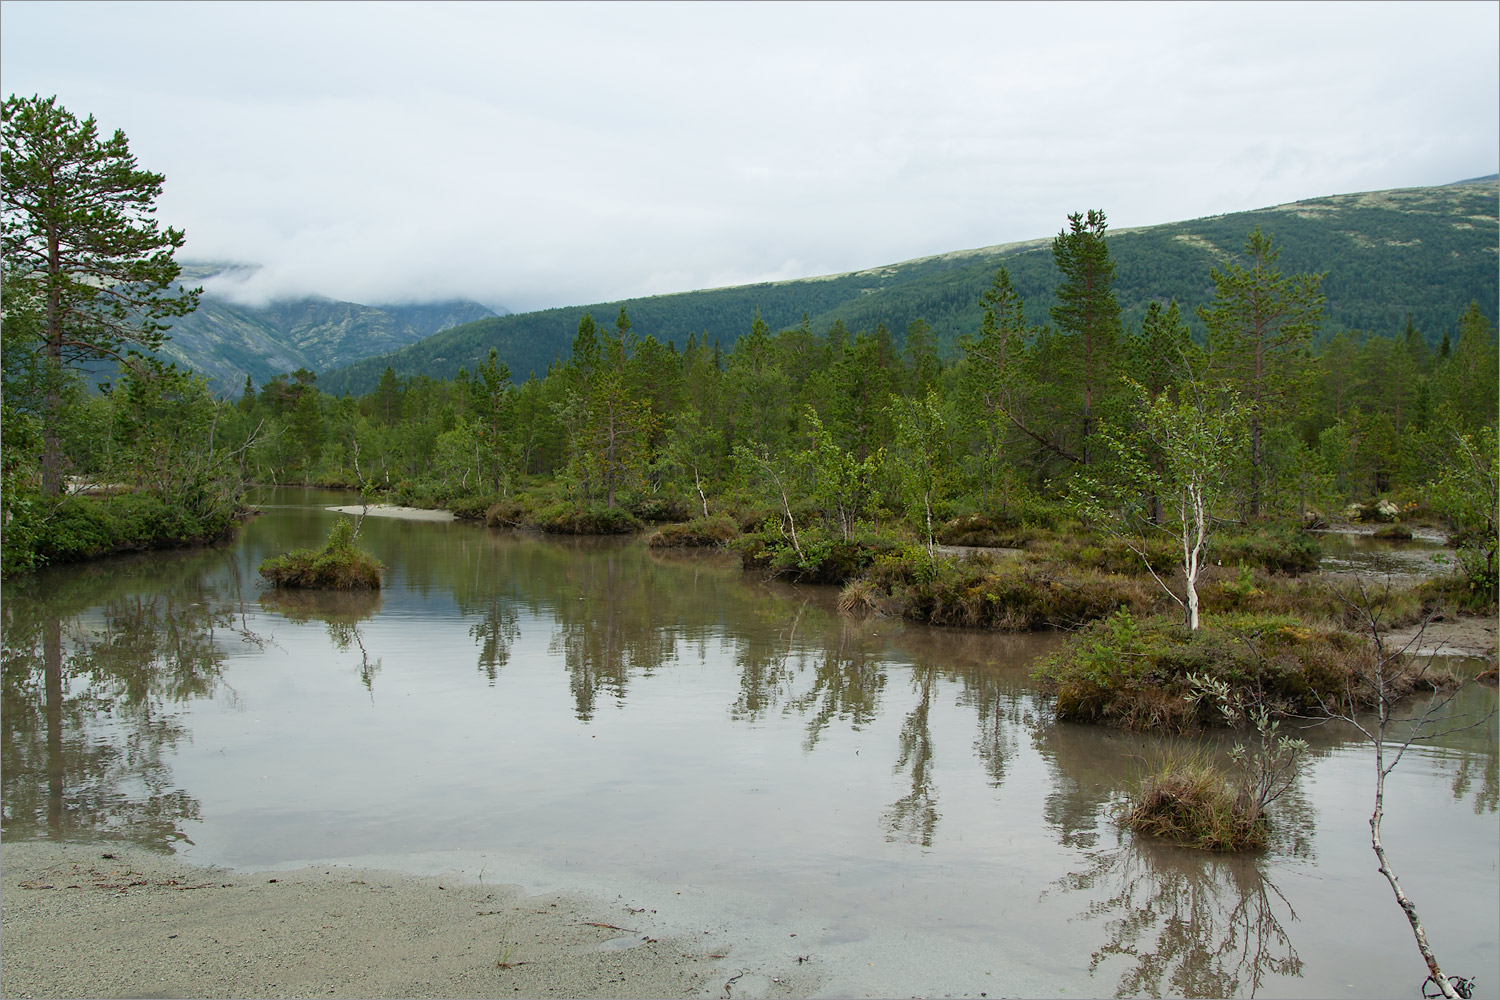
x=887, y=802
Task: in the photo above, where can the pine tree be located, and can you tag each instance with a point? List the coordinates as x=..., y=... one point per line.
x=80, y=241
x=1087, y=317
x=1260, y=330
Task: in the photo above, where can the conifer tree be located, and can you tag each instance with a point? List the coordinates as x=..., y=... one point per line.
x=80, y=242
x=1087, y=317
x=1260, y=329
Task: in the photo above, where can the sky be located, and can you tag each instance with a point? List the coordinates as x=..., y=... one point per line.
x=536, y=155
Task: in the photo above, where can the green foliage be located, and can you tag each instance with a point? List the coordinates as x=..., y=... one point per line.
x=1467, y=494
x=698, y=533
x=1151, y=677
x=44, y=531
x=81, y=244
x=567, y=519
x=1007, y=594
x=337, y=566
x=1276, y=548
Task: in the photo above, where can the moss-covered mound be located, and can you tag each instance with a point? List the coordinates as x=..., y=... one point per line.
x=1135, y=673
x=702, y=532
x=337, y=566
x=567, y=519
x=1008, y=594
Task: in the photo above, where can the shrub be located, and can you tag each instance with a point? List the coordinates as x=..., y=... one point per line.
x=701, y=532
x=1010, y=594
x=337, y=566
x=987, y=532
x=661, y=508
x=569, y=519
x=1190, y=802
x=1148, y=675
x=823, y=558
x=86, y=527
x=1276, y=548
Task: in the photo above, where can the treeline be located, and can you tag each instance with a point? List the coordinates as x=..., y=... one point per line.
x=820, y=435
x=836, y=417
x=1423, y=252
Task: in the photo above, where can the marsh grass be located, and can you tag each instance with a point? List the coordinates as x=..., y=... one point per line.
x=1006, y=594
x=1191, y=800
x=1148, y=673
x=703, y=532
x=337, y=566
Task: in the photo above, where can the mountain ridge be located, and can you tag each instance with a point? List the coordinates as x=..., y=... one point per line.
x=228, y=340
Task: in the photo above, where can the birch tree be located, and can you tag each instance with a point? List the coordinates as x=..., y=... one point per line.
x=1180, y=451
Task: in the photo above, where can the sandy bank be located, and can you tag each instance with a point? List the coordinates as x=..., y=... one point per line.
x=92, y=920
x=1461, y=636
x=401, y=513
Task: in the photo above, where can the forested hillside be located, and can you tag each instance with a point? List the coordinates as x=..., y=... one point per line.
x=226, y=341
x=1423, y=252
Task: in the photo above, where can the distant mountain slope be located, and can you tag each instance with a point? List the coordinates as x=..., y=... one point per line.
x=227, y=341
x=1423, y=251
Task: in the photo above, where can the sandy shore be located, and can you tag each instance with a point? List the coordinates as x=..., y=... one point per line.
x=401, y=513
x=1461, y=636
x=101, y=920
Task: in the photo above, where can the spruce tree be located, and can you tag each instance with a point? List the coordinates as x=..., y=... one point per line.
x=1087, y=317
x=1260, y=330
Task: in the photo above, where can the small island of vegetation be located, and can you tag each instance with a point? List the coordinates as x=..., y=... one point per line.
x=338, y=565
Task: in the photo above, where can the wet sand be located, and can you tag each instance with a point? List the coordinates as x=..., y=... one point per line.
x=102, y=920
x=400, y=513
x=1465, y=635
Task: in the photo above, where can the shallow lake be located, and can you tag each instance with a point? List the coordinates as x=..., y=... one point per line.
x=670, y=734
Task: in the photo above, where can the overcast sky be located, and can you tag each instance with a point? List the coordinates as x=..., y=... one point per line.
x=538, y=155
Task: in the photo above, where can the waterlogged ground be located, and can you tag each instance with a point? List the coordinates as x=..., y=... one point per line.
x=879, y=808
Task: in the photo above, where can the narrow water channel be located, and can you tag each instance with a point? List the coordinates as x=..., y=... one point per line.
x=890, y=803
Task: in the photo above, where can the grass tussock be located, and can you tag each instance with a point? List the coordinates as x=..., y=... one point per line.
x=337, y=566
x=570, y=519
x=988, y=531
x=816, y=557
x=1139, y=673
x=703, y=532
x=1192, y=802
x=1012, y=595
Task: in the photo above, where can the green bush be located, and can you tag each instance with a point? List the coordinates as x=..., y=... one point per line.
x=568, y=519
x=702, y=532
x=1276, y=548
x=661, y=508
x=1009, y=594
x=512, y=512
x=45, y=532
x=987, y=531
x=1138, y=674
x=337, y=566
x=823, y=559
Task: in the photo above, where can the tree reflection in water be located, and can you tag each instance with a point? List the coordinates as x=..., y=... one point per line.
x=340, y=611
x=847, y=682
x=95, y=665
x=766, y=668
x=1186, y=924
x=913, y=817
x=612, y=628
x=495, y=633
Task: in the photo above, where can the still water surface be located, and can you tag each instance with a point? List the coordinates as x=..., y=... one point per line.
x=672, y=734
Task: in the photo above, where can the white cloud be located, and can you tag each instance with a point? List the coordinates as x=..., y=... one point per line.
x=536, y=155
